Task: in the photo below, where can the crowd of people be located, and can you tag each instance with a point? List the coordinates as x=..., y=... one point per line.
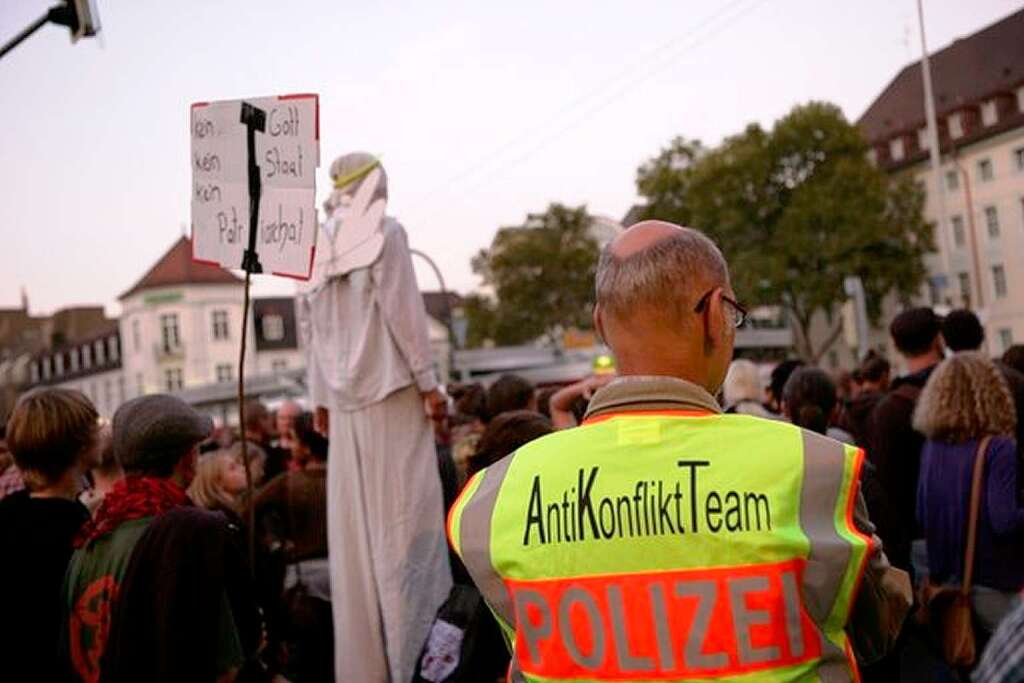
x=126, y=554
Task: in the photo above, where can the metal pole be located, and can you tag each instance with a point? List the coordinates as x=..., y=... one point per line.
x=933, y=148
x=973, y=233
x=20, y=38
x=447, y=308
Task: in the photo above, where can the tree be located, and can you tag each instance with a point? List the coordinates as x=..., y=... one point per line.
x=795, y=210
x=542, y=276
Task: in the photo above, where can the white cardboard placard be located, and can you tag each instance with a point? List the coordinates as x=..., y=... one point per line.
x=288, y=154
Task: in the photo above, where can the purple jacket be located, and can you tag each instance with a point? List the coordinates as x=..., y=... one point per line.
x=943, y=506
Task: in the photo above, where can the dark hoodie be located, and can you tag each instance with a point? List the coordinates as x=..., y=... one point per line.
x=894, y=447
x=856, y=413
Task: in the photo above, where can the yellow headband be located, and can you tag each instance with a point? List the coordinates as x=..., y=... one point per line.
x=355, y=175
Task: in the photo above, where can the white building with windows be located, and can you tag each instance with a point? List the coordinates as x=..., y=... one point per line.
x=181, y=325
x=979, y=100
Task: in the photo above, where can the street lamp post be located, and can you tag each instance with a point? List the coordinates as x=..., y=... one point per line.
x=447, y=308
x=79, y=16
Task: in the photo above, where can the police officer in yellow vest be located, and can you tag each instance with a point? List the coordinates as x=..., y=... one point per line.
x=662, y=540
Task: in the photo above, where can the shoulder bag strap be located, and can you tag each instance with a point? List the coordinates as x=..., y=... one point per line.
x=972, y=524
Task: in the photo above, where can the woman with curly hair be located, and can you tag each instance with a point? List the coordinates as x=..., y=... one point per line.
x=965, y=400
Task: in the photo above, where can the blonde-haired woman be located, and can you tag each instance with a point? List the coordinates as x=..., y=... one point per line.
x=965, y=400
x=219, y=483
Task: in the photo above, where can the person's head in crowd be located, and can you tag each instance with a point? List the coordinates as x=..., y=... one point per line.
x=874, y=373
x=1014, y=357
x=257, y=459
x=105, y=470
x=53, y=435
x=809, y=399
x=103, y=473
x=742, y=383
x=506, y=433
x=962, y=331
x=219, y=483
x=847, y=387
x=470, y=405
x=158, y=436
x=966, y=398
x=308, y=445
x=544, y=400
x=284, y=418
x=917, y=334
x=508, y=393
x=665, y=304
x=780, y=375
x=257, y=421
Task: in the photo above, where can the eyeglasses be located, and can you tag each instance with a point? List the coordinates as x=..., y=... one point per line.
x=739, y=312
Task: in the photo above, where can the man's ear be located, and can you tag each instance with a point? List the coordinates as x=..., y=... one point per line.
x=599, y=324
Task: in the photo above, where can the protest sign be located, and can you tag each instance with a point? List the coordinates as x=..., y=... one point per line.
x=285, y=133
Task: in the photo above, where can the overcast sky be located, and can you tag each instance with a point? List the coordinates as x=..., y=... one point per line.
x=483, y=111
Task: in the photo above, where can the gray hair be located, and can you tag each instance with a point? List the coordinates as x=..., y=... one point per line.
x=667, y=272
x=742, y=383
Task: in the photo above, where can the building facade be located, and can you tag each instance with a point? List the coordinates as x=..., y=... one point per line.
x=978, y=212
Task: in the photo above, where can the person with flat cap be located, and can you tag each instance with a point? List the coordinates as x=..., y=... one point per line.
x=157, y=589
x=663, y=539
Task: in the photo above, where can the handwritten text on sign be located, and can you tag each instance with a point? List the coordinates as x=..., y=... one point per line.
x=287, y=153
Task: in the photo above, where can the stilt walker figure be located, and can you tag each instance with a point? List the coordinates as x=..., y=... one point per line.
x=372, y=379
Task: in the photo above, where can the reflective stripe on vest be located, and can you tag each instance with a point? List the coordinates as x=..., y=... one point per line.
x=726, y=570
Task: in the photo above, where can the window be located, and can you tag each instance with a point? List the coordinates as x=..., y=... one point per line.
x=273, y=327
x=922, y=138
x=34, y=372
x=1006, y=338
x=220, y=324
x=120, y=390
x=279, y=366
x=992, y=221
x=985, y=172
x=933, y=292
x=101, y=352
x=58, y=364
x=108, y=394
x=965, y=288
x=999, y=281
x=896, y=148
x=1018, y=158
x=140, y=384
x=952, y=180
x=136, y=336
x=956, y=129
x=989, y=113
x=74, y=360
x=113, y=349
x=225, y=372
x=958, y=231
x=173, y=379
x=86, y=356
x=46, y=368
x=170, y=336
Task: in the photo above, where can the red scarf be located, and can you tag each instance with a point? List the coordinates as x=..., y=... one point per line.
x=131, y=498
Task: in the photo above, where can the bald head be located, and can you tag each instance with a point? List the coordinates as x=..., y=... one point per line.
x=649, y=281
x=642, y=236
x=659, y=269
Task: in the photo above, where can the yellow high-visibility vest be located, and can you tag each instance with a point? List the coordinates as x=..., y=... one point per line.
x=669, y=546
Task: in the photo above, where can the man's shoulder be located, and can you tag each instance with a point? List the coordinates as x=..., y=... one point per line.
x=190, y=520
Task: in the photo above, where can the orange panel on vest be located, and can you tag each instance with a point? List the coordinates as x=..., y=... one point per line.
x=664, y=625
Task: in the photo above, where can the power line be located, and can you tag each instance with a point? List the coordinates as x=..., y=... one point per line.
x=672, y=49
